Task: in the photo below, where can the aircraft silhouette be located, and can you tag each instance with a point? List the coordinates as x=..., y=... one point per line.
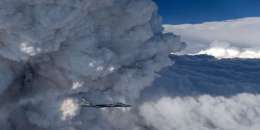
x=85, y=103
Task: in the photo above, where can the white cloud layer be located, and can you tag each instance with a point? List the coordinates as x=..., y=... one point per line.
x=241, y=112
x=226, y=39
x=225, y=50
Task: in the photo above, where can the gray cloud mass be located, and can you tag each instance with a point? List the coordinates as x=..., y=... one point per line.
x=53, y=53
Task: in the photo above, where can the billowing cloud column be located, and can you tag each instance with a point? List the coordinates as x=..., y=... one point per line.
x=54, y=52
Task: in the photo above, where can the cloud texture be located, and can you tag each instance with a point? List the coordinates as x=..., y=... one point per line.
x=55, y=52
x=241, y=112
x=204, y=93
x=225, y=39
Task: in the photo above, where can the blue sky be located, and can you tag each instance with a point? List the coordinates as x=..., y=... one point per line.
x=197, y=11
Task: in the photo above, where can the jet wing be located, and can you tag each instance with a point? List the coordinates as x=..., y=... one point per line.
x=85, y=103
x=112, y=105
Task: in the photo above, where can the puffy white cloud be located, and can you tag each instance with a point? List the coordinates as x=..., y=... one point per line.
x=241, y=112
x=240, y=38
x=225, y=50
x=69, y=108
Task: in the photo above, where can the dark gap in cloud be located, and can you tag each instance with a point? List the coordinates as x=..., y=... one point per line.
x=193, y=76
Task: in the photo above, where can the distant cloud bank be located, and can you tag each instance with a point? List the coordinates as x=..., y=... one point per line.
x=225, y=39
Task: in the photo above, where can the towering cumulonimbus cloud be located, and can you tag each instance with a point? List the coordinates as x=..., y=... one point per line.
x=54, y=52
